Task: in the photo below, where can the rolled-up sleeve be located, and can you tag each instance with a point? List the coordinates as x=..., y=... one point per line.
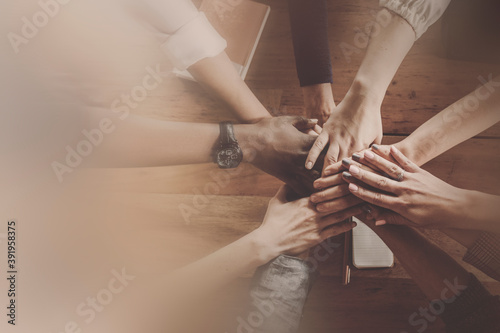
x=187, y=35
x=280, y=289
x=420, y=14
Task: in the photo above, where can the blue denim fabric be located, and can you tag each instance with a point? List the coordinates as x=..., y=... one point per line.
x=279, y=292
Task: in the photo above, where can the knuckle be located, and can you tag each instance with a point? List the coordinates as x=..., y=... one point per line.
x=382, y=182
x=377, y=198
x=393, y=169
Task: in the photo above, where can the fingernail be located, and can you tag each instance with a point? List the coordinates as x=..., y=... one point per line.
x=317, y=185
x=376, y=147
x=346, y=175
x=314, y=120
x=369, y=155
x=354, y=170
x=346, y=162
x=380, y=223
x=354, y=224
x=320, y=208
x=366, y=209
x=309, y=165
x=353, y=187
x=356, y=157
x=313, y=198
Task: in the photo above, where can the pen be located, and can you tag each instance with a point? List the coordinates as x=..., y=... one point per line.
x=346, y=268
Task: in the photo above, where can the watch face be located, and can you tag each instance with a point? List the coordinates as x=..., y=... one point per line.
x=229, y=157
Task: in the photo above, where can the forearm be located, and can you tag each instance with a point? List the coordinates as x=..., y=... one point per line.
x=221, y=78
x=482, y=212
x=427, y=264
x=460, y=121
x=143, y=142
x=224, y=265
x=387, y=48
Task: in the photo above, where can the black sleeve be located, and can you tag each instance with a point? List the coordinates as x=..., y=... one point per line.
x=309, y=23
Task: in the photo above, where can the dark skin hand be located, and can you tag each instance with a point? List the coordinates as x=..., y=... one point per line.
x=279, y=147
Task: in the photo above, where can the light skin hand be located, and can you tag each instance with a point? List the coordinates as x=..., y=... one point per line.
x=294, y=227
x=419, y=197
x=353, y=126
x=318, y=101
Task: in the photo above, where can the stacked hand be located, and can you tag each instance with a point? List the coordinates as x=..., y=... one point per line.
x=353, y=125
x=415, y=196
x=279, y=146
x=293, y=227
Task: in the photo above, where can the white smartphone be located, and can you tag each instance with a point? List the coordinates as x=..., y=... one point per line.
x=368, y=250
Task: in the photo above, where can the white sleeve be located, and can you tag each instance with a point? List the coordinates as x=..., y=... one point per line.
x=188, y=35
x=420, y=14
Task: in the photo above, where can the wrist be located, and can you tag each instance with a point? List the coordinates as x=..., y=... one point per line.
x=263, y=249
x=368, y=91
x=318, y=95
x=245, y=134
x=412, y=151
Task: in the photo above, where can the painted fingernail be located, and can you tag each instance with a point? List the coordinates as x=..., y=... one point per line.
x=346, y=175
x=376, y=147
x=309, y=165
x=356, y=157
x=380, y=223
x=353, y=187
x=346, y=162
x=369, y=155
x=354, y=170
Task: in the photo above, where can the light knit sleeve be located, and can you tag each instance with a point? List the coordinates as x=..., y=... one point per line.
x=187, y=35
x=420, y=14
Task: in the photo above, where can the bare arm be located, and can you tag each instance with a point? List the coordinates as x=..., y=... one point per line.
x=460, y=121
x=219, y=76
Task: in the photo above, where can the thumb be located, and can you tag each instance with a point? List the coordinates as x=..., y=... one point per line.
x=282, y=193
x=302, y=123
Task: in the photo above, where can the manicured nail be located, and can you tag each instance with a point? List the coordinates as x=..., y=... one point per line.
x=354, y=170
x=369, y=155
x=309, y=165
x=346, y=162
x=353, y=187
x=346, y=175
x=375, y=146
x=380, y=223
x=356, y=157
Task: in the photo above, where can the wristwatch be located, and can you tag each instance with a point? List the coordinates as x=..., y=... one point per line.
x=228, y=154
